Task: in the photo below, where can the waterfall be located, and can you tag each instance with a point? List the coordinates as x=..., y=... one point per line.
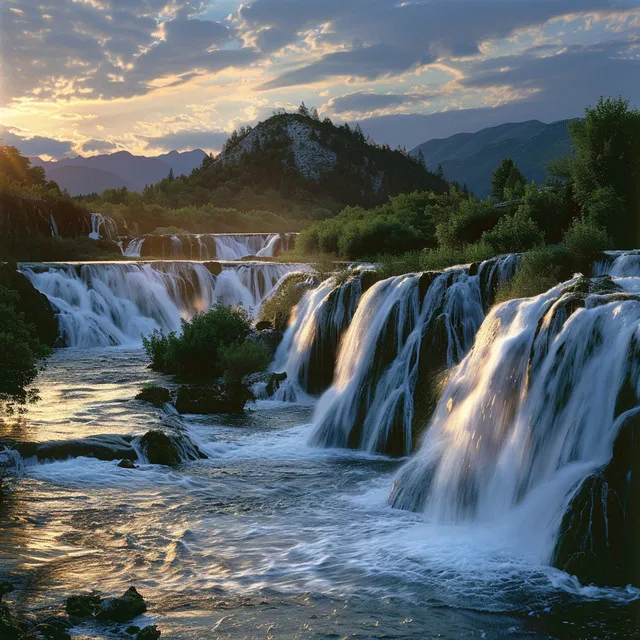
x=54, y=226
x=105, y=304
x=406, y=331
x=618, y=264
x=103, y=226
x=308, y=350
x=532, y=411
x=206, y=246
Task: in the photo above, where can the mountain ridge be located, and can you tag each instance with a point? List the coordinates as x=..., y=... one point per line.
x=117, y=170
x=471, y=158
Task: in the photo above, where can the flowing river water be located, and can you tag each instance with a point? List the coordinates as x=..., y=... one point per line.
x=269, y=536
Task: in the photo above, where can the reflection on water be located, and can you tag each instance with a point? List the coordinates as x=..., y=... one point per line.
x=268, y=538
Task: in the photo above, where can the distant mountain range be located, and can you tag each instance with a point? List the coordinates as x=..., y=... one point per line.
x=471, y=158
x=94, y=174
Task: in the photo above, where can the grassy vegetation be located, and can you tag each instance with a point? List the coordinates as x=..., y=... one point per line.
x=276, y=310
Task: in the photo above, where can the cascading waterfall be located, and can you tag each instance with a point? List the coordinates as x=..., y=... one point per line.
x=103, y=226
x=532, y=411
x=105, y=304
x=308, y=350
x=405, y=332
x=208, y=246
x=619, y=264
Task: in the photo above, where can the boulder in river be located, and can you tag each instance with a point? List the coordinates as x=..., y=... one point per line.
x=160, y=448
x=215, y=398
x=123, y=609
x=54, y=628
x=149, y=633
x=84, y=605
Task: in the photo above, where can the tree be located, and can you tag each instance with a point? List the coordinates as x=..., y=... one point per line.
x=171, y=177
x=303, y=111
x=507, y=176
x=608, y=156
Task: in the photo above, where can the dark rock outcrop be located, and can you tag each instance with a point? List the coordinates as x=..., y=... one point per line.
x=106, y=447
x=155, y=395
x=598, y=539
x=35, y=305
x=160, y=448
x=123, y=609
x=149, y=633
x=83, y=605
x=214, y=398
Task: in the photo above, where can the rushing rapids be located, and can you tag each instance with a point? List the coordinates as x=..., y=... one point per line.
x=102, y=304
x=530, y=414
x=405, y=332
x=210, y=246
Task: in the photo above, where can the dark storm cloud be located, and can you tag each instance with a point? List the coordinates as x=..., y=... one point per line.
x=99, y=146
x=36, y=146
x=210, y=140
x=361, y=102
x=364, y=62
x=412, y=32
x=61, y=48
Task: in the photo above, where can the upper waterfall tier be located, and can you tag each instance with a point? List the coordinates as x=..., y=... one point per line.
x=531, y=412
x=618, y=264
x=210, y=246
x=104, y=304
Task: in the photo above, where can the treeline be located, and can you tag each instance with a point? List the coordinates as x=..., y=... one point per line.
x=591, y=200
x=257, y=171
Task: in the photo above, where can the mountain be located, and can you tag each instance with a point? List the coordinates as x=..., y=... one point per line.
x=298, y=158
x=471, y=158
x=94, y=174
x=78, y=179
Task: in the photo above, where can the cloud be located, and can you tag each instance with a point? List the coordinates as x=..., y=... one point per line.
x=408, y=33
x=186, y=140
x=364, y=62
x=36, y=145
x=62, y=49
x=362, y=102
x=99, y=146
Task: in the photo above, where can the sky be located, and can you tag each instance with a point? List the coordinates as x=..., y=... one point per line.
x=147, y=76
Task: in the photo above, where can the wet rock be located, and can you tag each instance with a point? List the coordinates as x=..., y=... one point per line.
x=123, y=609
x=275, y=380
x=159, y=448
x=155, y=395
x=83, y=605
x=426, y=280
x=264, y=325
x=5, y=588
x=126, y=464
x=368, y=279
x=9, y=626
x=216, y=398
x=149, y=633
x=106, y=447
x=132, y=630
x=598, y=540
x=54, y=628
x=270, y=339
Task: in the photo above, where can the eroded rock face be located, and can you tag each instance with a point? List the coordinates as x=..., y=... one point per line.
x=599, y=536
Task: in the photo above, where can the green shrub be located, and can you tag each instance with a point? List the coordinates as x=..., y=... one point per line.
x=155, y=395
x=244, y=359
x=539, y=270
x=550, y=210
x=198, y=351
x=467, y=224
x=21, y=350
x=513, y=234
x=584, y=242
x=278, y=307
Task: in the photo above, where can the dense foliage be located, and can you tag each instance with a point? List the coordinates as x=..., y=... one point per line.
x=208, y=345
x=21, y=350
